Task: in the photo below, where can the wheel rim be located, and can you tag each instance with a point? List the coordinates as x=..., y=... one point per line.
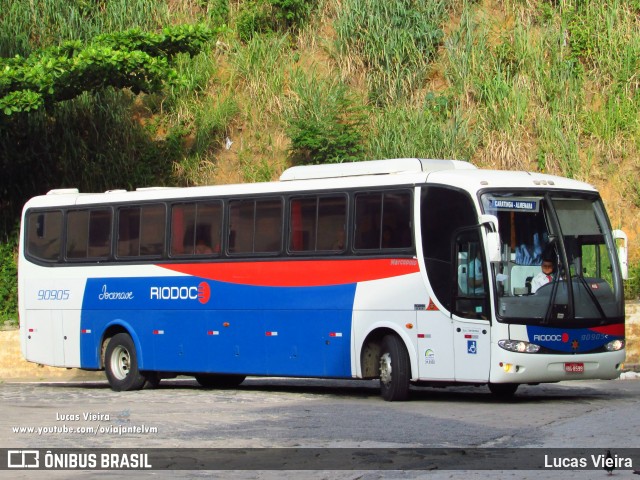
x=120, y=362
x=385, y=368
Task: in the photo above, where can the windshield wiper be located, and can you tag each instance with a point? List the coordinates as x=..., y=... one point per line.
x=592, y=296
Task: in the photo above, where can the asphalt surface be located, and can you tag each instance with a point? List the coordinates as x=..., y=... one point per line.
x=267, y=413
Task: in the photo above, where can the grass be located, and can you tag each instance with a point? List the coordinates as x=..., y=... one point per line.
x=394, y=41
x=30, y=24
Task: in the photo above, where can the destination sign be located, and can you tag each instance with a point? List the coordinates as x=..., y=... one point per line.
x=515, y=204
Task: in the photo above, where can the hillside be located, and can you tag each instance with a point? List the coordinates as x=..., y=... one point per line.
x=543, y=85
x=546, y=86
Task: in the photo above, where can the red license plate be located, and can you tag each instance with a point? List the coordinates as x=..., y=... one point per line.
x=574, y=367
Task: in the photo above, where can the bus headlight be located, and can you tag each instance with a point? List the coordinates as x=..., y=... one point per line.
x=614, y=345
x=519, y=346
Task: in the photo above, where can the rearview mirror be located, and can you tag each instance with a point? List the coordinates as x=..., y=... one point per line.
x=620, y=238
x=493, y=237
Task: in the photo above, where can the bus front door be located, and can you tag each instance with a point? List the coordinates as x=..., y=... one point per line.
x=470, y=309
x=471, y=344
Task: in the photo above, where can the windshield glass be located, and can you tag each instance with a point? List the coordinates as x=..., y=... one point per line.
x=558, y=263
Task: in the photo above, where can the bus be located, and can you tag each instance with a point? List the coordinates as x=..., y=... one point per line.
x=411, y=271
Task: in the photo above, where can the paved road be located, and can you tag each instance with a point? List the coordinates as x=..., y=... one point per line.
x=319, y=413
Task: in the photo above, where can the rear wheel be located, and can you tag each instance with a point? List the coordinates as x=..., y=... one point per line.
x=503, y=390
x=395, y=370
x=121, y=364
x=211, y=380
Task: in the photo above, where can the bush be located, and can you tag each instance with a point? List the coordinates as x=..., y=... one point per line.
x=325, y=125
x=252, y=19
x=9, y=281
x=266, y=16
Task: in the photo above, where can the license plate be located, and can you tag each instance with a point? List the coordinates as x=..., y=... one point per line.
x=574, y=367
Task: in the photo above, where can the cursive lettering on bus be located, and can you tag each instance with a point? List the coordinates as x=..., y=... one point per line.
x=106, y=295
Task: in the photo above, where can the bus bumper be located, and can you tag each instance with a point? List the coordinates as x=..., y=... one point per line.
x=510, y=367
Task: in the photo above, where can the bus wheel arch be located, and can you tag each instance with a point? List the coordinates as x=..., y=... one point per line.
x=106, y=338
x=120, y=359
x=385, y=356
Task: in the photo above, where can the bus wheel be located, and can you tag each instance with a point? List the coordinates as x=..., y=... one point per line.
x=503, y=390
x=121, y=364
x=209, y=380
x=394, y=369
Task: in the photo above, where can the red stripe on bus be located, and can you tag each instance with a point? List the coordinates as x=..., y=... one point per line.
x=617, y=329
x=310, y=273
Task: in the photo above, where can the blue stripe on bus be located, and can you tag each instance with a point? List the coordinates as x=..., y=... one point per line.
x=575, y=340
x=188, y=324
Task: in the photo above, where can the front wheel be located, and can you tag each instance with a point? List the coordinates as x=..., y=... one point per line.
x=395, y=371
x=121, y=364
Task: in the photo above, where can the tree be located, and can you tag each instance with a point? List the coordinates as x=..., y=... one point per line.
x=132, y=59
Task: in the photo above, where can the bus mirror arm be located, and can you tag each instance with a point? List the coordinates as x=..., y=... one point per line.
x=493, y=237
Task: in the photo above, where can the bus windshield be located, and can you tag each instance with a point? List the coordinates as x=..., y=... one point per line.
x=558, y=264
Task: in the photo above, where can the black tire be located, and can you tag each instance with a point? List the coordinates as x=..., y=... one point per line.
x=395, y=371
x=121, y=364
x=212, y=380
x=503, y=390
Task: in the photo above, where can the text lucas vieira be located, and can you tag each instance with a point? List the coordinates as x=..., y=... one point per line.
x=597, y=461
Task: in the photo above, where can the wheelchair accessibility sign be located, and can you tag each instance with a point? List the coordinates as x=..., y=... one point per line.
x=472, y=347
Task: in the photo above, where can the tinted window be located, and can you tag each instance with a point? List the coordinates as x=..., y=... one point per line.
x=318, y=224
x=444, y=211
x=196, y=228
x=88, y=233
x=255, y=226
x=44, y=231
x=383, y=220
x=141, y=231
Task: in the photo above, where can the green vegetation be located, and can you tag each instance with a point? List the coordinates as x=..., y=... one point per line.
x=8, y=283
x=394, y=41
x=546, y=85
x=325, y=125
x=131, y=59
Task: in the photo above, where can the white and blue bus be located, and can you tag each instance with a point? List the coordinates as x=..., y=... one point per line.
x=412, y=271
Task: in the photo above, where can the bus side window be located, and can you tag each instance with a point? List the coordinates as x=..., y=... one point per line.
x=141, y=231
x=182, y=229
x=99, y=233
x=268, y=226
x=88, y=234
x=43, y=235
x=196, y=228
x=383, y=220
x=77, y=234
x=318, y=224
x=332, y=224
x=367, y=222
x=302, y=223
x=255, y=226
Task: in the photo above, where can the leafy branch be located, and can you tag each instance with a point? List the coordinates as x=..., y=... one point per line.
x=131, y=59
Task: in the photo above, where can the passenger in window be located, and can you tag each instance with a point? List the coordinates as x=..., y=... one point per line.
x=202, y=248
x=340, y=240
x=203, y=240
